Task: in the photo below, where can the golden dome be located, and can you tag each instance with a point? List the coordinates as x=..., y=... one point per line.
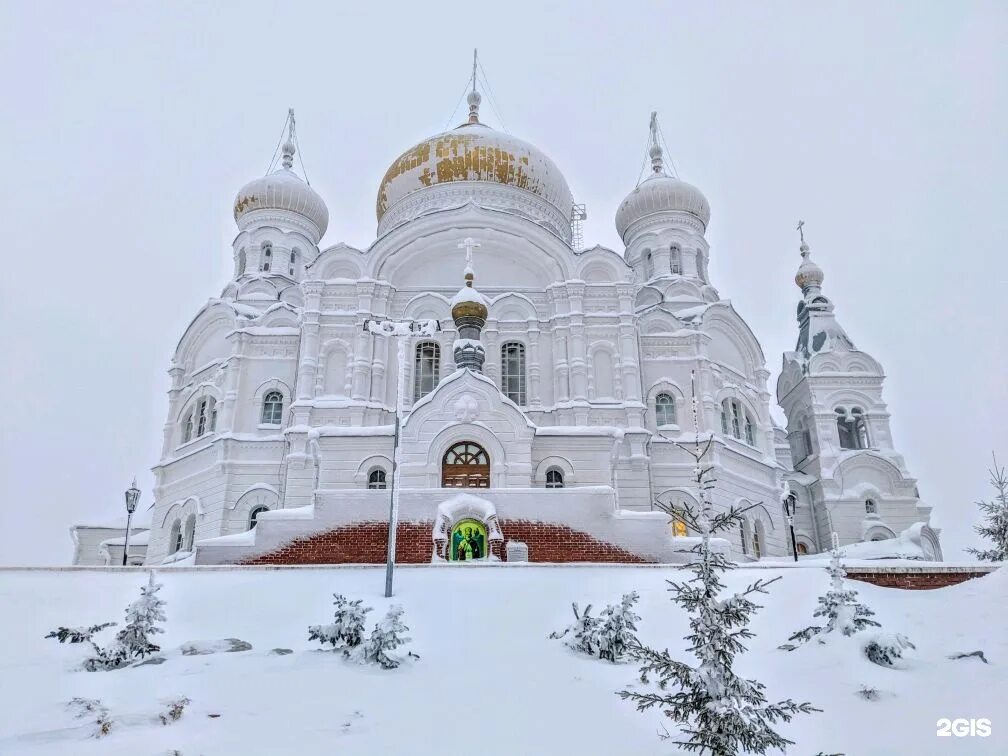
x=475, y=153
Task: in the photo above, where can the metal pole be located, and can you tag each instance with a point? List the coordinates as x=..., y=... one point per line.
x=794, y=543
x=394, y=492
x=129, y=518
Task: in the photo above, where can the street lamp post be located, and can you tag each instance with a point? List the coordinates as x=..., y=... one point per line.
x=790, y=504
x=403, y=331
x=132, y=497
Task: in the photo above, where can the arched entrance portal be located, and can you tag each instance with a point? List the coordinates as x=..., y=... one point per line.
x=465, y=465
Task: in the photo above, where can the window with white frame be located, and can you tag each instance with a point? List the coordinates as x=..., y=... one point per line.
x=554, y=478
x=676, y=261
x=757, y=540
x=200, y=420
x=648, y=265
x=272, y=408
x=513, y=371
x=293, y=263
x=737, y=422
x=426, y=368
x=175, y=539
x=870, y=507
x=665, y=413
x=267, y=257
x=190, y=532
x=376, y=479
x=744, y=536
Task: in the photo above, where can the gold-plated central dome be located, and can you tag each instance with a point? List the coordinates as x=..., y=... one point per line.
x=474, y=152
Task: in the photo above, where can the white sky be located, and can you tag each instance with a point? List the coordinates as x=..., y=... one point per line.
x=129, y=127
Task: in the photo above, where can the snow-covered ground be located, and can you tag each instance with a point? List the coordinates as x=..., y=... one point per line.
x=488, y=680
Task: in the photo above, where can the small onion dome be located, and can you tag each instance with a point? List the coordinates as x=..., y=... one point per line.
x=661, y=193
x=809, y=274
x=469, y=303
x=283, y=190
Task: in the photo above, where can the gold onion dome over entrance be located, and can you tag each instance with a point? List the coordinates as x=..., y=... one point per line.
x=473, y=152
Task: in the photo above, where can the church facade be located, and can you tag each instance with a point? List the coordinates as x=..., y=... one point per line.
x=541, y=404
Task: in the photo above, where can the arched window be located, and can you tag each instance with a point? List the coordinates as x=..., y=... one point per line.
x=267, y=257
x=190, y=532
x=648, y=265
x=758, y=538
x=665, y=410
x=801, y=548
x=175, y=539
x=376, y=479
x=513, y=371
x=735, y=421
x=241, y=262
x=870, y=507
x=745, y=535
x=293, y=262
x=465, y=465
x=676, y=261
x=272, y=409
x=852, y=428
x=554, y=478
x=679, y=528
x=426, y=368
x=204, y=416
x=187, y=428
x=254, y=515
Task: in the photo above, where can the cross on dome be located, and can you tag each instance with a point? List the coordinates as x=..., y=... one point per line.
x=654, y=148
x=474, y=98
x=810, y=276
x=469, y=244
x=288, y=146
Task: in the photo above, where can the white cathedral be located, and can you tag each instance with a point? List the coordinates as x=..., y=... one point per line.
x=554, y=386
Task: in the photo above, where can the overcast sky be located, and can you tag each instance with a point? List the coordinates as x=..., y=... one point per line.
x=129, y=127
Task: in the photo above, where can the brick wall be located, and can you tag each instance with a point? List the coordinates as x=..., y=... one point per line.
x=365, y=543
x=912, y=578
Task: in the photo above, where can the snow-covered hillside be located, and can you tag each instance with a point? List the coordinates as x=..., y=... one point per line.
x=488, y=681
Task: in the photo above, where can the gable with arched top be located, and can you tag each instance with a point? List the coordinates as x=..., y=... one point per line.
x=206, y=337
x=856, y=472
x=258, y=288
x=254, y=497
x=194, y=395
x=721, y=318
x=849, y=397
x=844, y=362
x=474, y=432
x=341, y=261
x=682, y=288
x=647, y=296
x=512, y=307
x=511, y=254
x=181, y=509
x=427, y=306
x=279, y=317
x=601, y=265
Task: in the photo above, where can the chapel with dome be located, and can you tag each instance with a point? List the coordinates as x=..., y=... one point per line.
x=527, y=396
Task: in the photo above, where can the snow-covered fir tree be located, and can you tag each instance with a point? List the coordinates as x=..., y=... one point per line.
x=840, y=606
x=142, y=618
x=617, y=631
x=716, y=711
x=347, y=629
x=607, y=636
x=387, y=636
x=996, y=511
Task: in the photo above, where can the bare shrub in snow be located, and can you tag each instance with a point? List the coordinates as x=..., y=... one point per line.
x=608, y=636
x=839, y=606
x=386, y=636
x=92, y=708
x=173, y=710
x=886, y=649
x=347, y=629
x=77, y=634
x=717, y=711
x=868, y=694
x=996, y=511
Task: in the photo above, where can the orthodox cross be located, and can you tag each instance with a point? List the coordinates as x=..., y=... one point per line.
x=801, y=232
x=468, y=244
x=474, y=71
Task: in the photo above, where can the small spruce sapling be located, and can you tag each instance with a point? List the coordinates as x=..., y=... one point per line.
x=347, y=630
x=618, y=628
x=386, y=636
x=840, y=607
x=134, y=640
x=583, y=634
x=996, y=511
x=717, y=711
